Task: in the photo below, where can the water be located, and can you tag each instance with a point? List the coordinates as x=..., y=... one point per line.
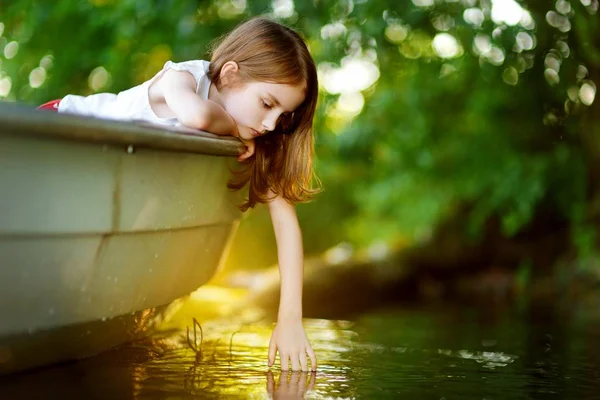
x=443, y=352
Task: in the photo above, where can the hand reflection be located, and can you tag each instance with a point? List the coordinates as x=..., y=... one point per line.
x=291, y=385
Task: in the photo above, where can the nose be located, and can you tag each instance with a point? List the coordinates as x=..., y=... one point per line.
x=269, y=122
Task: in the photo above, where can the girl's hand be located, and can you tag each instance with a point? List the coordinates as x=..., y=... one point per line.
x=249, y=150
x=290, y=340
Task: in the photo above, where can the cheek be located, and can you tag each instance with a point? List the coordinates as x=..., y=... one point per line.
x=240, y=111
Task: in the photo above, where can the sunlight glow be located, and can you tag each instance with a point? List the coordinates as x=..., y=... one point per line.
x=527, y=21
x=282, y=8
x=354, y=75
x=1, y=28
x=351, y=103
x=508, y=12
x=446, y=46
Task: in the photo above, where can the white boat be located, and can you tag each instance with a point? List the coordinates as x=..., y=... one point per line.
x=103, y=224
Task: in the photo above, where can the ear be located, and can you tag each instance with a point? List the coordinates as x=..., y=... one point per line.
x=229, y=74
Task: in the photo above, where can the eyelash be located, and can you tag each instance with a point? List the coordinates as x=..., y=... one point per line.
x=270, y=107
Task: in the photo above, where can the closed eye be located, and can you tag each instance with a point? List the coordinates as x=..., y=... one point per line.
x=266, y=105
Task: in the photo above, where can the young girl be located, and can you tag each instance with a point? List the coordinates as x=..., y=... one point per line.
x=260, y=86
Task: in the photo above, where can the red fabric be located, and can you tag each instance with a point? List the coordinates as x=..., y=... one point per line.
x=51, y=105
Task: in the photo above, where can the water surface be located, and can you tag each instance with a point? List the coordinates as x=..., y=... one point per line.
x=437, y=352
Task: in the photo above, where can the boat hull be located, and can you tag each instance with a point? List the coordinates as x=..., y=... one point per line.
x=96, y=237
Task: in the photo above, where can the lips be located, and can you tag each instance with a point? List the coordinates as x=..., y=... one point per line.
x=254, y=132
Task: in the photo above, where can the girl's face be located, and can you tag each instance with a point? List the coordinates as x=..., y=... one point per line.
x=256, y=107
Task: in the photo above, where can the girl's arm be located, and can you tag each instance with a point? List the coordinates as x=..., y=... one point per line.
x=289, y=336
x=179, y=91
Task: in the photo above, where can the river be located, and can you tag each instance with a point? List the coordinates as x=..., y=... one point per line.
x=447, y=351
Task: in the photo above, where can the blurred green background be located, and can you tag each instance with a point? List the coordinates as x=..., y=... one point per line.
x=467, y=129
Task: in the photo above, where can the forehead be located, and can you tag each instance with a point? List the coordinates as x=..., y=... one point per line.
x=288, y=96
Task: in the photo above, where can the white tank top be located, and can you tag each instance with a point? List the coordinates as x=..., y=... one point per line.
x=134, y=103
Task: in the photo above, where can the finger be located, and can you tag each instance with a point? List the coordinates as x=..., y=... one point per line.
x=272, y=353
x=244, y=156
x=312, y=378
x=313, y=358
x=294, y=379
x=284, y=360
x=295, y=362
x=270, y=382
x=302, y=383
x=303, y=360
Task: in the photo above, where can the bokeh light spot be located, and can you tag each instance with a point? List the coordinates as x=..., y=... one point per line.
x=551, y=76
x=482, y=44
x=396, y=33
x=587, y=93
x=510, y=76
x=5, y=86
x=508, y=12
x=354, y=75
x=283, y=8
x=47, y=62
x=524, y=41
x=37, y=77
x=351, y=103
x=99, y=78
x=558, y=21
x=333, y=31
x=474, y=16
x=423, y=3
x=11, y=50
x=446, y=46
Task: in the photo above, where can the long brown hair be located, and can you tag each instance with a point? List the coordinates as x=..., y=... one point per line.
x=267, y=51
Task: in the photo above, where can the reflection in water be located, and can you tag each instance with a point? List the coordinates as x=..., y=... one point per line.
x=290, y=384
x=447, y=353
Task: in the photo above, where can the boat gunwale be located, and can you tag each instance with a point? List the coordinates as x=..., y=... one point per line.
x=19, y=119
